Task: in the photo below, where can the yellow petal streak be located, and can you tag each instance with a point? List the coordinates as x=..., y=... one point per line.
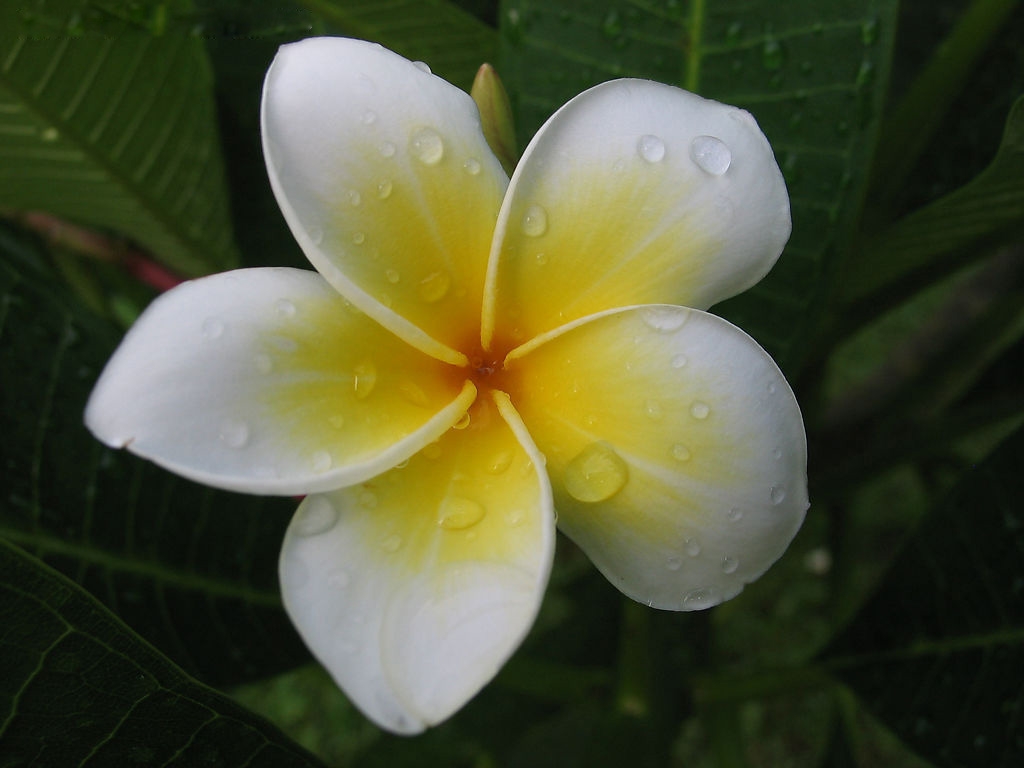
x=674, y=446
x=414, y=588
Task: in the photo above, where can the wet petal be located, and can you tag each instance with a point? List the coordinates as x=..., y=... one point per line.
x=413, y=588
x=675, y=448
x=634, y=192
x=267, y=381
x=385, y=178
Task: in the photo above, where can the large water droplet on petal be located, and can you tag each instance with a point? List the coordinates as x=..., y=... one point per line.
x=651, y=149
x=364, y=379
x=534, y=221
x=597, y=473
x=427, y=146
x=458, y=513
x=422, y=66
x=434, y=286
x=711, y=155
x=316, y=516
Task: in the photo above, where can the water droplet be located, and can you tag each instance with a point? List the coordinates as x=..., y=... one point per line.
x=458, y=513
x=679, y=361
x=674, y=563
x=414, y=393
x=541, y=259
x=386, y=149
x=773, y=55
x=691, y=547
x=653, y=409
x=358, y=238
x=337, y=421
x=427, y=146
x=778, y=494
x=777, y=453
x=233, y=434
x=735, y=514
x=392, y=276
x=315, y=516
x=500, y=462
x=368, y=499
x=391, y=543
x=697, y=599
x=316, y=234
x=434, y=286
x=596, y=473
x=680, y=452
x=472, y=166
x=730, y=564
x=463, y=421
x=664, y=319
x=369, y=117
x=710, y=154
x=263, y=363
x=321, y=461
x=364, y=379
x=213, y=328
x=422, y=66
x=534, y=221
x=651, y=148
x=285, y=308
x=514, y=517
x=700, y=410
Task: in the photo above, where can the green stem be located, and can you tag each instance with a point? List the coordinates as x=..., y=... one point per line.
x=633, y=696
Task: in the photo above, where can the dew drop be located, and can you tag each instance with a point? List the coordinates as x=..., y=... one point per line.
x=337, y=421
x=414, y=393
x=364, y=379
x=697, y=599
x=427, y=146
x=541, y=259
x=700, y=410
x=285, y=308
x=674, y=563
x=596, y=473
x=369, y=117
x=463, y=421
x=514, y=517
x=422, y=66
x=434, y=287
x=777, y=453
x=651, y=148
x=653, y=409
x=500, y=462
x=679, y=361
x=392, y=276
x=387, y=149
x=472, y=166
x=711, y=155
x=234, y=434
x=730, y=564
x=691, y=547
x=263, y=363
x=321, y=461
x=680, y=452
x=317, y=515
x=664, y=319
x=212, y=328
x=778, y=494
x=358, y=238
x=534, y=221
x=458, y=513
x=735, y=514
x=391, y=543
x=384, y=187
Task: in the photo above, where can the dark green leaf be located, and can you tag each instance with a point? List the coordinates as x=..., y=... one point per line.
x=114, y=131
x=193, y=570
x=812, y=73
x=79, y=687
x=938, y=652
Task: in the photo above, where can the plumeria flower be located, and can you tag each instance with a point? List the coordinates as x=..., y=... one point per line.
x=474, y=353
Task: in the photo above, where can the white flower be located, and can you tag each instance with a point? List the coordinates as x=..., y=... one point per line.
x=473, y=354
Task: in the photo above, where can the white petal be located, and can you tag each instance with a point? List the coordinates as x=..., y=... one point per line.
x=632, y=193
x=412, y=589
x=386, y=180
x=675, y=448
x=267, y=381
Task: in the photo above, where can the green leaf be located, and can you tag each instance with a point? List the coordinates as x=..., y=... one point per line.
x=115, y=131
x=453, y=42
x=77, y=686
x=938, y=651
x=812, y=73
x=191, y=569
x=961, y=225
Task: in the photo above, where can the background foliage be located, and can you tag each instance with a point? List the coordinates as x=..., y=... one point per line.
x=139, y=616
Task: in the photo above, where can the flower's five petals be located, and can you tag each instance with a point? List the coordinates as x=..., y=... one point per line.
x=413, y=588
x=675, y=448
x=267, y=381
x=386, y=180
x=634, y=192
